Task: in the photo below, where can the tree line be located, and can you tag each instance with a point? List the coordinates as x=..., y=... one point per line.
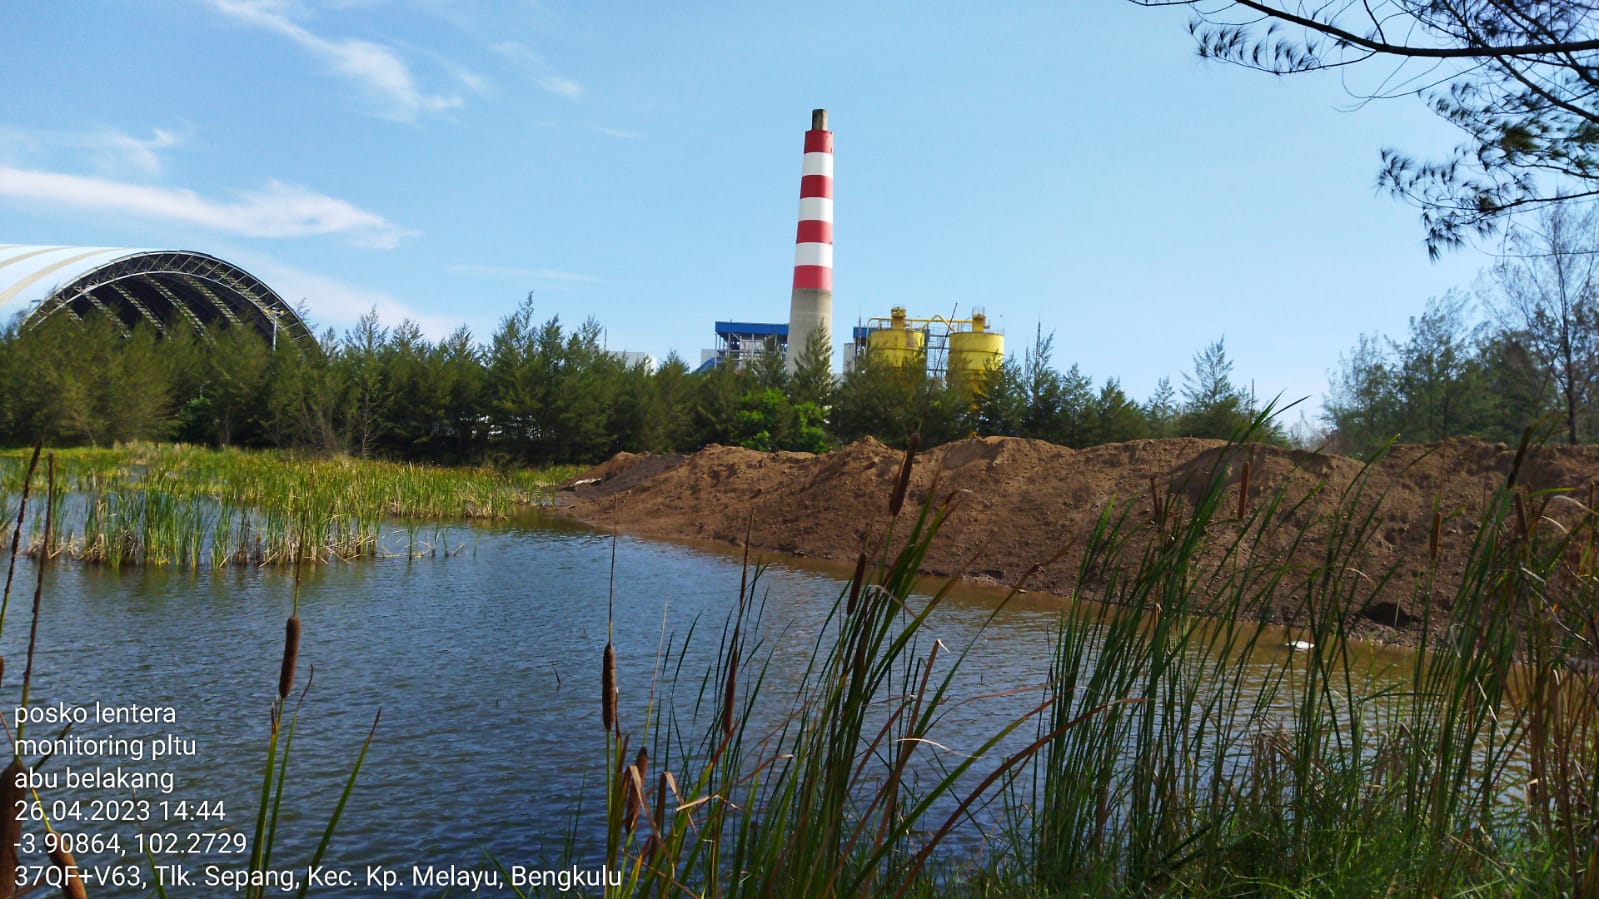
x=1522, y=348
x=539, y=392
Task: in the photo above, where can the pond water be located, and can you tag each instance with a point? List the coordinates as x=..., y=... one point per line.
x=484, y=663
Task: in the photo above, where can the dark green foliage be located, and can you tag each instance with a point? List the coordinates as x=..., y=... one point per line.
x=537, y=392
x=551, y=394
x=716, y=398
x=763, y=419
x=669, y=426
x=1001, y=404
x=880, y=399
x=1446, y=379
x=85, y=383
x=306, y=405
x=767, y=368
x=812, y=381
x=1161, y=409
x=459, y=366
x=1212, y=406
x=362, y=358
x=1116, y=418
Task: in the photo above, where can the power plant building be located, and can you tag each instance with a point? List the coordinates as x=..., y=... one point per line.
x=962, y=351
x=740, y=343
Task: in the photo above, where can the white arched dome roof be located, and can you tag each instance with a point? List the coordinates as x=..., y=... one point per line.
x=153, y=286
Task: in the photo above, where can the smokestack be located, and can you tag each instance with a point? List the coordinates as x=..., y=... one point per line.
x=811, y=303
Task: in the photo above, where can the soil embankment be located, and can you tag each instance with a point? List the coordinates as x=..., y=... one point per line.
x=1022, y=501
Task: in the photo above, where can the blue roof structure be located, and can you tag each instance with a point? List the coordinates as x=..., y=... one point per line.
x=759, y=329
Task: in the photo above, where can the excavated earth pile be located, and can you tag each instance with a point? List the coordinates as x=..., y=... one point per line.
x=1021, y=502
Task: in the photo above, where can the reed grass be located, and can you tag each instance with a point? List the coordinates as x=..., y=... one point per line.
x=1170, y=754
x=187, y=507
x=16, y=795
x=1205, y=788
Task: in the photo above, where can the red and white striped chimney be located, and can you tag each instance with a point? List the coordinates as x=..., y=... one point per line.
x=811, y=304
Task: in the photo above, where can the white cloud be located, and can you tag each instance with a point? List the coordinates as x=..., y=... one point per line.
x=374, y=66
x=473, y=82
x=278, y=210
x=562, y=87
x=527, y=59
x=511, y=273
x=518, y=53
x=108, y=150
x=141, y=154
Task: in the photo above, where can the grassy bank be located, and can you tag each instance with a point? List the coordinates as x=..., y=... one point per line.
x=187, y=507
x=1158, y=760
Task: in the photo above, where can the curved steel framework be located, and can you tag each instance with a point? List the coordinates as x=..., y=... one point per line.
x=161, y=287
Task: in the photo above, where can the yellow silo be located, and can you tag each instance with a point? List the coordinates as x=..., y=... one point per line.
x=975, y=353
x=897, y=343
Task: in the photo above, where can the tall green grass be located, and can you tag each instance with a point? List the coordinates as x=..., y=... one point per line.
x=824, y=801
x=1171, y=753
x=279, y=746
x=189, y=507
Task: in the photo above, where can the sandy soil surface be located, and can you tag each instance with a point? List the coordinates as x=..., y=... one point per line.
x=1021, y=502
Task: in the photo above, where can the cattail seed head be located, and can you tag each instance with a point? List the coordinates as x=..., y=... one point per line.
x=608, y=688
x=291, y=653
x=1437, y=530
x=897, y=498
x=858, y=663
x=72, y=884
x=855, y=583
x=660, y=804
x=729, y=693
x=12, y=802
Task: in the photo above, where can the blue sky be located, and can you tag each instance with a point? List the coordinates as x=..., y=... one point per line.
x=1070, y=166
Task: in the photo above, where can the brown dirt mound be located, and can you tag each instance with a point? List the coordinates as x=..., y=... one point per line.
x=1022, y=501
x=623, y=471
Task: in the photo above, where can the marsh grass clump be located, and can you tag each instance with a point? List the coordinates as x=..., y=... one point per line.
x=188, y=507
x=1181, y=747
x=830, y=795
x=16, y=796
x=1300, y=775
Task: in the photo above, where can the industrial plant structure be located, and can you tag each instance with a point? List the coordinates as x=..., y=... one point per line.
x=960, y=350
x=739, y=343
x=155, y=287
x=810, y=309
